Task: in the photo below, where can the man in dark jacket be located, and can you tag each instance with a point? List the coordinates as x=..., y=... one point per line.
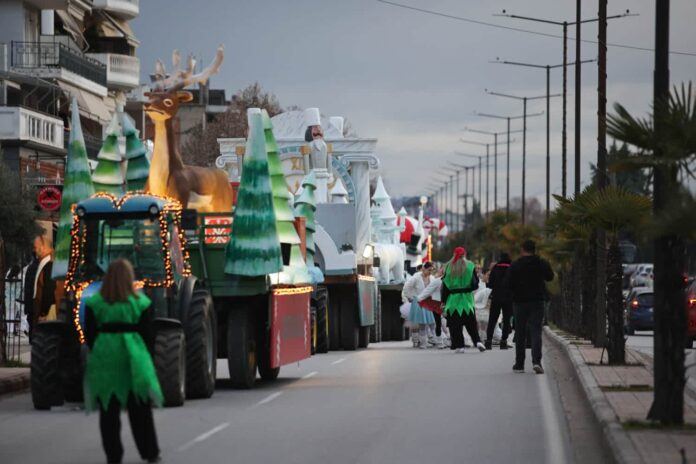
x=501, y=300
x=527, y=278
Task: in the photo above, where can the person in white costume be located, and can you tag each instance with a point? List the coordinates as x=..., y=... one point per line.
x=419, y=318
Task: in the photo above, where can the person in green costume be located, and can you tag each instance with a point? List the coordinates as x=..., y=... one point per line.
x=461, y=281
x=120, y=373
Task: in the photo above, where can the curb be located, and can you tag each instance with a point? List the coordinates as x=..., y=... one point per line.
x=617, y=439
x=15, y=382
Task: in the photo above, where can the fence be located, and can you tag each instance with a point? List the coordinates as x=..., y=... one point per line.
x=14, y=336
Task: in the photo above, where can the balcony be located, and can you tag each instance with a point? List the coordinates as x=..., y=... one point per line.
x=51, y=59
x=122, y=71
x=18, y=123
x=127, y=9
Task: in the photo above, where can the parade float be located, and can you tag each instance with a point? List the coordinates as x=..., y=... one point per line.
x=343, y=252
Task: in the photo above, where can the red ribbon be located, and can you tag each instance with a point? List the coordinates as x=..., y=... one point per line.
x=458, y=253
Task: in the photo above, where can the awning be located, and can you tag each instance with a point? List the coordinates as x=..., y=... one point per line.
x=114, y=27
x=72, y=28
x=91, y=106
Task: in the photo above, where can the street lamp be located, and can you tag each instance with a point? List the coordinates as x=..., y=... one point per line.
x=578, y=22
x=487, y=145
x=480, y=166
x=564, y=161
x=495, y=159
x=524, y=139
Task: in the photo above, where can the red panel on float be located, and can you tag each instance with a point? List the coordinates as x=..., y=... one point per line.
x=290, y=330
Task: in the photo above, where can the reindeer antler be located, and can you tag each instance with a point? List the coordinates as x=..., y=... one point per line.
x=180, y=79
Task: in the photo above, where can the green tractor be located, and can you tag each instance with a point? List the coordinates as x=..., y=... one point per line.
x=146, y=230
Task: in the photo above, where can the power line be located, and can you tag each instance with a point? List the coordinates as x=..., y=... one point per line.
x=519, y=29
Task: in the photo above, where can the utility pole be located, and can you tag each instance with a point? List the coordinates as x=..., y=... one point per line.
x=487, y=145
x=564, y=24
x=480, y=168
x=578, y=91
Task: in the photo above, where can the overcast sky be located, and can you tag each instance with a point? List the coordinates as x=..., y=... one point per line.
x=414, y=80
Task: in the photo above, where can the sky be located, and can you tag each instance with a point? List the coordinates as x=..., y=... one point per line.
x=415, y=81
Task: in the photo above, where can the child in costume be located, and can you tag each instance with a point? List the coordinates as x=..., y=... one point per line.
x=461, y=281
x=120, y=373
x=418, y=317
x=430, y=299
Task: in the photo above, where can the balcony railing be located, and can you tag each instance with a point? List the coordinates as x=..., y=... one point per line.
x=41, y=55
x=123, y=8
x=18, y=123
x=122, y=71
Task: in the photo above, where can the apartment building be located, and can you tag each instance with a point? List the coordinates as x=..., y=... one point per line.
x=50, y=52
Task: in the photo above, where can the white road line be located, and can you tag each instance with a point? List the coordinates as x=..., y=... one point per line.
x=338, y=361
x=204, y=436
x=310, y=375
x=552, y=427
x=269, y=398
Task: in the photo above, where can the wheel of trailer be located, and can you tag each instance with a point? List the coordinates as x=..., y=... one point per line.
x=376, y=329
x=313, y=327
x=350, y=330
x=322, y=321
x=201, y=346
x=46, y=383
x=364, y=336
x=170, y=363
x=241, y=348
x=267, y=372
x=334, y=317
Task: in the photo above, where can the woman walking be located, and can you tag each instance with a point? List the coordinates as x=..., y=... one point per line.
x=418, y=317
x=501, y=301
x=461, y=280
x=120, y=373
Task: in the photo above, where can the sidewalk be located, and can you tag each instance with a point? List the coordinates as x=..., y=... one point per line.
x=16, y=378
x=620, y=397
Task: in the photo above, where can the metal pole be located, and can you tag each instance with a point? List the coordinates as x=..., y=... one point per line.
x=548, y=142
x=459, y=219
x=451, y=221
x=480, y=195
x=524, y=157
x=564, y=139
x=507, y=188
x=495, y=173
x=578, y=101
x=488, y=192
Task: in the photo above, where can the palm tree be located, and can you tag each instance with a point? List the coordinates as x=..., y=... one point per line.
x=667, y=147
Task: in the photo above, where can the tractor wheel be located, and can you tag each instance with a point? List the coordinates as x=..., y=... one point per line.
x=267, y=372
x=376, y=328
x=364, y=336
x=334, y=316
x=46, y=383
x=350, y=330
x=313, y=328
x=241, y=348
x=170, y=363
x=201, y=346
x=322, y=320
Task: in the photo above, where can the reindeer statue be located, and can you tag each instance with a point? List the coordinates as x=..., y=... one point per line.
x=203, y=189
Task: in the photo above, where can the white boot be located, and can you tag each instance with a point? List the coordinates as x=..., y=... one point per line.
x=440, y=343
x=423, y=339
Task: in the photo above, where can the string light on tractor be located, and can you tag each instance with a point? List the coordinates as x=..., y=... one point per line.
x=367, y=278
x=291, y=291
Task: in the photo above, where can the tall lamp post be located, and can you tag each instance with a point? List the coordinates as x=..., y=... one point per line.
x=524, y=139
x=487, y=145
x=465, y=196
x=495, y=158
x=480, y=168
x=577, y=23
x=564, y=161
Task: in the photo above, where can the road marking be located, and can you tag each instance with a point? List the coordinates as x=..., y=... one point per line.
x=269, y=398
x=204, y=436
x=552, y=428
x=310, y=375
x=338, y=361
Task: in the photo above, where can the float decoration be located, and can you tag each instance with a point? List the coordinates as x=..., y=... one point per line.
x=77, y=185
x=108, y=175
x=296, y=270
x=254, y=248
x=138, y=167
x=306, y=205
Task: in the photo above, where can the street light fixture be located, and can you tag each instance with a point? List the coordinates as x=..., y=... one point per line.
x=495, y=159
x=465, y=196
x=524, y=138
x=487, y=145
x=480, y=166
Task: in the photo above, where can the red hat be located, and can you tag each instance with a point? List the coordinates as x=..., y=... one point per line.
x=458, y=253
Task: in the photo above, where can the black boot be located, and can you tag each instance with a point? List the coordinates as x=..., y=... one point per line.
x=488, y=344
x=504, y=345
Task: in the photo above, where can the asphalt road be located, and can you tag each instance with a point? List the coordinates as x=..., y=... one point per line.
x=386, y=404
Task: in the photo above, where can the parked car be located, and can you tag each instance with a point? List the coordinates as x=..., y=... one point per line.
x=639, y=310
x=691, y=315
x=643, y=276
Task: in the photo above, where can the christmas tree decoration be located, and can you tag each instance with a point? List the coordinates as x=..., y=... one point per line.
x=296, y=270
x=254, y=248
x=138, y=166
x=108, y=175
x=77, y=185
x=305, y=205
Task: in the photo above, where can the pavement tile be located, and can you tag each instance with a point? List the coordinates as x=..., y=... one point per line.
x=657, y=446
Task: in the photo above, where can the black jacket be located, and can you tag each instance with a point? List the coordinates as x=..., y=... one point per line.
x=527, y=279
x=499, y=284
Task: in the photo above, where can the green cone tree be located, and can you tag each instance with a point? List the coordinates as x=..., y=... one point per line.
x=108, y=175
x=138, y=167
x=77, y=185
x=296, y=271
x=254, y=249
x=306, y=205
